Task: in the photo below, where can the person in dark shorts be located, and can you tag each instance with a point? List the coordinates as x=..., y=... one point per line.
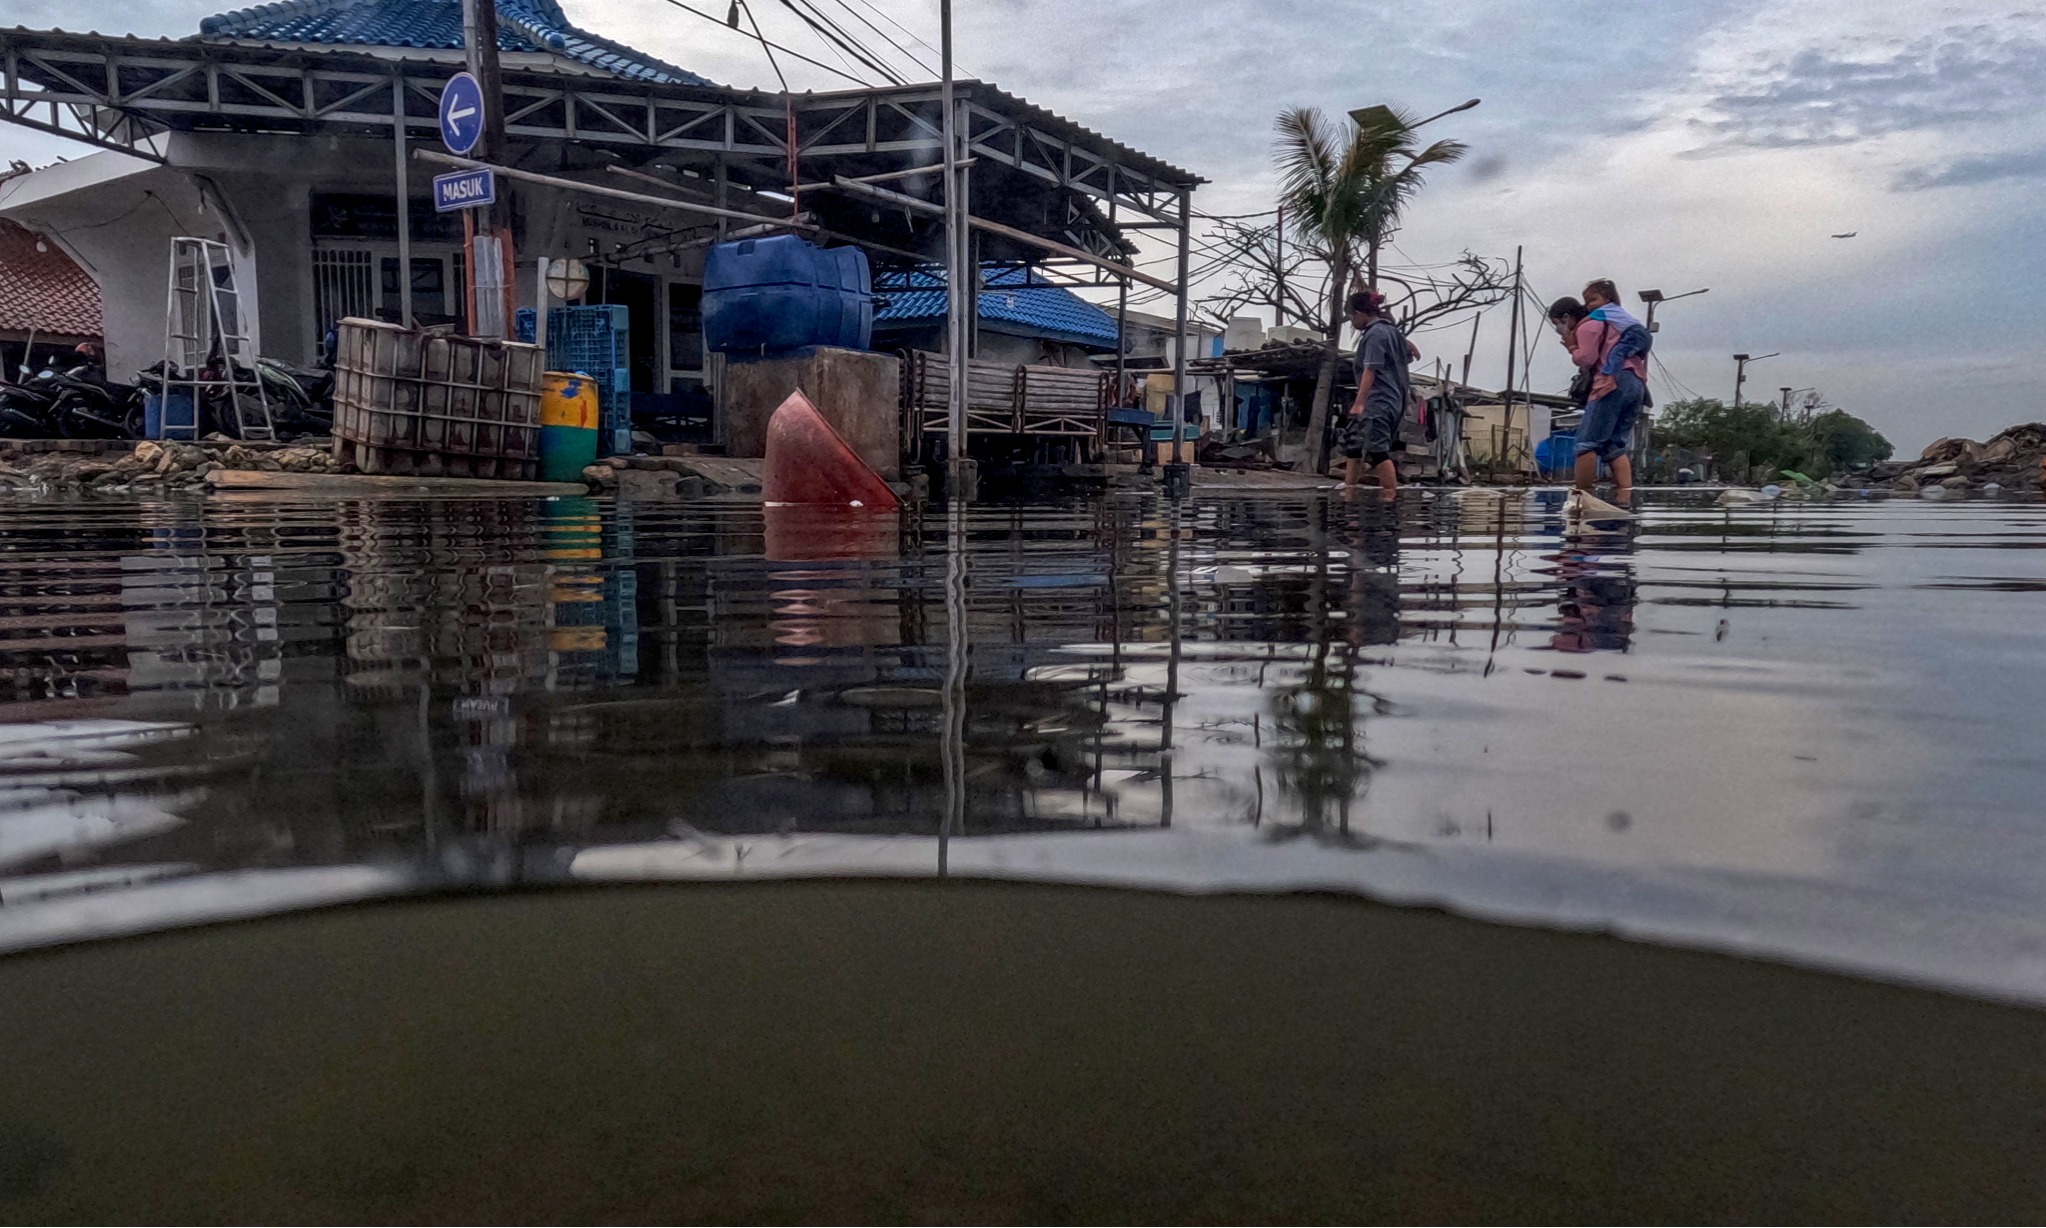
x=1371, y=431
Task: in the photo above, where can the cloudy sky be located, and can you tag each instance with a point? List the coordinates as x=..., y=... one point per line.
x=1712, y=143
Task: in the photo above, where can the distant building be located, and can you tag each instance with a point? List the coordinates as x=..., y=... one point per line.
x=1024, y=317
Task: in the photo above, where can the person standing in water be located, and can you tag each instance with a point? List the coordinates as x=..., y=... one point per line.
x=1383, y=389
x=1612, y=345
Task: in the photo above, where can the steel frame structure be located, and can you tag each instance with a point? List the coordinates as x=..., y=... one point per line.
x=127, y=94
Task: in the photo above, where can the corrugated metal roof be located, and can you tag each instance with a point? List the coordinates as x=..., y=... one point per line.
x=44, y=291
x=1013, y=300
x=523, y=26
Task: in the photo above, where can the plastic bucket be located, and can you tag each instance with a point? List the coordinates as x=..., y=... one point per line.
x=568, y=426
x=179, y=423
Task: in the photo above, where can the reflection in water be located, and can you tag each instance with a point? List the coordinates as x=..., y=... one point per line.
x=473, y=693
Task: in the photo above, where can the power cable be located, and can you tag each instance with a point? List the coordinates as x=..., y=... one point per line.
x=772, y=47
x=833, y=36
x=907, y=54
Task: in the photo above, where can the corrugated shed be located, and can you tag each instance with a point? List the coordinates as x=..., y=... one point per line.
x=523, y=26
x=44, y=291
x=1011, y=300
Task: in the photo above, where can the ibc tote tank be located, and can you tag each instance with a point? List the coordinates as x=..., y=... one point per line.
x=764, y=296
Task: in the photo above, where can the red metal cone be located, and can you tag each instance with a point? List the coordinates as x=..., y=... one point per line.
x=810, y=463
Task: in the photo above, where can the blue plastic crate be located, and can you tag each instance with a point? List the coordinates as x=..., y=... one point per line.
x=595, y=341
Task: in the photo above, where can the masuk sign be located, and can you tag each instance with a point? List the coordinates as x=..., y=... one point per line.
x=464, y=189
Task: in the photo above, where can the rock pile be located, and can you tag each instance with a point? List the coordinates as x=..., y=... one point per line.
x=154, y=466
x=2012, y=460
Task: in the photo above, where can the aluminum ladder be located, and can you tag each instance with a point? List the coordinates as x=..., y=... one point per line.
x=205, y=331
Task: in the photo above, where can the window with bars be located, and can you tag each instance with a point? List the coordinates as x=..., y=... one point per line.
x=344, y=285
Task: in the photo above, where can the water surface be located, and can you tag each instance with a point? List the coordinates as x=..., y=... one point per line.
x=1802, y=731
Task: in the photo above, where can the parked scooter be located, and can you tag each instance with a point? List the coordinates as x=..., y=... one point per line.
x=88, y=405
x=26, y=410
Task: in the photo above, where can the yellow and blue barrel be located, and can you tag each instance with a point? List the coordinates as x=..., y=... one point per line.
x=568, y=426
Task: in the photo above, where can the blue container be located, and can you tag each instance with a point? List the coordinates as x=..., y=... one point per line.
x=593, y=341
x=769, y=296
x=178, y=423
x=1557, y=453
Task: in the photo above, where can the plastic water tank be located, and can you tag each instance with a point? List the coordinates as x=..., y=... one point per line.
x=763, y=296
x=1557, y=453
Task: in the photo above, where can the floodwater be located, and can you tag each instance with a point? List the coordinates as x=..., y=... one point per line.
x=1805, y=733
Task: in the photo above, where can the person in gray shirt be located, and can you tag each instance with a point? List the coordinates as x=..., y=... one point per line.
x=1383, y=389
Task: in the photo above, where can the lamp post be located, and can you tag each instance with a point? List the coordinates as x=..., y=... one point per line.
x=1740, y=371
x=1361, y=113
x=1654, y=297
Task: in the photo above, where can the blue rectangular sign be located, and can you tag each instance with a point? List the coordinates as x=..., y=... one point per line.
x=464, y=190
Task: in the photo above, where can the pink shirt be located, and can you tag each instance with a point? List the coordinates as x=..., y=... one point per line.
x=1596, y=339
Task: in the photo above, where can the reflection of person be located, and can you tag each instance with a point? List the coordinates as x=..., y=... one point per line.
x=1383, y=390
x=1373, y=616
x=1595, y=612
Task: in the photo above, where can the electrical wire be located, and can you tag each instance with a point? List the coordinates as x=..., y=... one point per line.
x=906, y=53
x=771, y=46
x=913, y=36
x=836, y=38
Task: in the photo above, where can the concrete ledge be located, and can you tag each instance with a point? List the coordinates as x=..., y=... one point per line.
x=382, y=484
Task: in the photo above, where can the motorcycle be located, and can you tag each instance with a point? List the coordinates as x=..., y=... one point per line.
x=88, y=405
x=26, y=410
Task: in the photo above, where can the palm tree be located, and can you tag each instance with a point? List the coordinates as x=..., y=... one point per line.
x=1344, y=190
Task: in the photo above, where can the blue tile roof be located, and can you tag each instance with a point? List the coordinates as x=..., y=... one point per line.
x=1011, y=300
x=523, y=25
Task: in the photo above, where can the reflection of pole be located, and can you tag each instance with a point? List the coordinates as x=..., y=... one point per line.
x=1171, y=668
x=953, y=739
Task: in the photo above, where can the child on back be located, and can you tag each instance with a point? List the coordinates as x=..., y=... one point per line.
x=1630, y=348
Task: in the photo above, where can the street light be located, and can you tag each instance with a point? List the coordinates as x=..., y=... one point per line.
x=1652, y=297
x=1381, y=116
x=1740, y=371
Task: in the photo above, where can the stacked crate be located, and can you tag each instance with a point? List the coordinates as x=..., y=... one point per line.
x=594, y=341
x=432, y=404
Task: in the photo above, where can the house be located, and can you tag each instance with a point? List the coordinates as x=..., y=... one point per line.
x=48, y=304
x=1024, y=317
x=297, y=133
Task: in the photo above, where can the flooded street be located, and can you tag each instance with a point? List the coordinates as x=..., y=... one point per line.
x=1802, y=731
x=1802, y=734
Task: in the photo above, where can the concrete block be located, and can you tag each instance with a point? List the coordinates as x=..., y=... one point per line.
x=858, y=393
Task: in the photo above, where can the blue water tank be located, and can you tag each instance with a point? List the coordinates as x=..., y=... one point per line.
x=764, y=296
x=1557, y=453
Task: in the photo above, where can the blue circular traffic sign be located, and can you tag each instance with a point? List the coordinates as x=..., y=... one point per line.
x=461, y=113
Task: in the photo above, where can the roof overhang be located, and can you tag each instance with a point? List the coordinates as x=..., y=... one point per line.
x=1047, y=174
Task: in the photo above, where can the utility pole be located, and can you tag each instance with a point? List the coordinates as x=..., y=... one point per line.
x=959, y=470
x=1786, y=402
x=1512, y=358
x=1178, y=476
x=491, y=222
x=1279, y=270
